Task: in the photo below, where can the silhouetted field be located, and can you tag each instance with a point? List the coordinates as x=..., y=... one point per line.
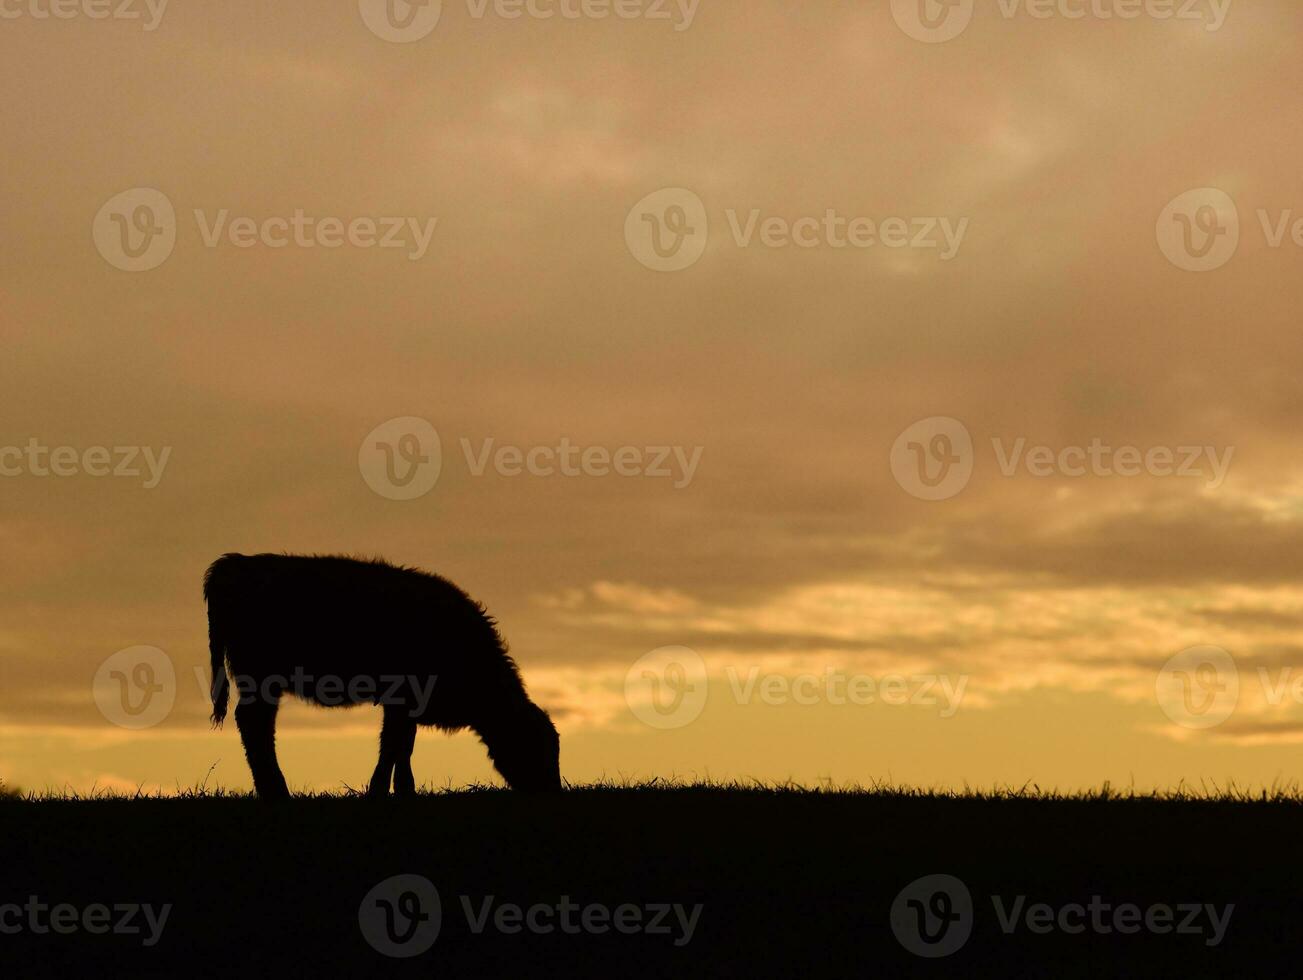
x=703, y=880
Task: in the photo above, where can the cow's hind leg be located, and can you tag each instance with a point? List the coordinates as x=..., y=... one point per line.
x=397, y=737
x=256, y=720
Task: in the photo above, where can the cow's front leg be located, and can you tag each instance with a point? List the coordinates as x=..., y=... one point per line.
x=404, y=781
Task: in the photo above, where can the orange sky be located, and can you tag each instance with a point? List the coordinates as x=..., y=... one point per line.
x=782, y=345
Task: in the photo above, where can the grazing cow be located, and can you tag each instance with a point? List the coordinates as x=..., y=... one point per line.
x=342, y=631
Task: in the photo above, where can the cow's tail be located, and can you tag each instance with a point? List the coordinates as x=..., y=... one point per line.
x=221, y=688
x=217, y=651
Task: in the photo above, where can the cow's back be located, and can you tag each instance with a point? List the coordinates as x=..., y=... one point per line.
x=342, y=616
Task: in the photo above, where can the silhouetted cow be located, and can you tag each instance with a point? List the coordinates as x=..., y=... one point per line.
x=341, y=631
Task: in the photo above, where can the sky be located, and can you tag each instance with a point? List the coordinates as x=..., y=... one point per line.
x=841, y=393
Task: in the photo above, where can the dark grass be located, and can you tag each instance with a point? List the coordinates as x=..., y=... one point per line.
x=793, y=881
x=1206, y=792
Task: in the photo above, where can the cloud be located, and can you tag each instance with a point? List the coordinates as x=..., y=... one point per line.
x=1059, y=322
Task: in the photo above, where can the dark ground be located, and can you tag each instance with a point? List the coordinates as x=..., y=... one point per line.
x=790, y=883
